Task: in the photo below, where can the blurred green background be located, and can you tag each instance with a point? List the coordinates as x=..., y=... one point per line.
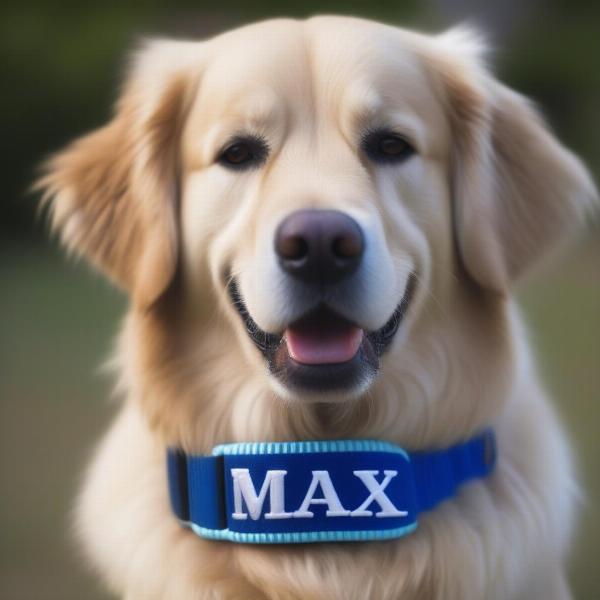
x=60, y=65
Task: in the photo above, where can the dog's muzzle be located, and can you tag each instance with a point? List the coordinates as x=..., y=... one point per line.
x=320, y=252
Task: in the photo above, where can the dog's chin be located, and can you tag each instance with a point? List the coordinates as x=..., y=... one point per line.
x=323, y=356
x=307, y=387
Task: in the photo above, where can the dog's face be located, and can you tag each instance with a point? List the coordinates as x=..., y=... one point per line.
x=324, y=183
x=314, y=182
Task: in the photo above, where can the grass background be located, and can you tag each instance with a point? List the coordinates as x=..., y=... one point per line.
x=59, y=64
x=58, y=323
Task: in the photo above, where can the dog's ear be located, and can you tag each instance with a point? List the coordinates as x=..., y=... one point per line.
x=112, y=194
x=516, y=190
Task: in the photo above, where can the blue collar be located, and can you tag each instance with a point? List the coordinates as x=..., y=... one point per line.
x=321, y=491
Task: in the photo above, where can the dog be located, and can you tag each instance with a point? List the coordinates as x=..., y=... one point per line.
x=319, y=224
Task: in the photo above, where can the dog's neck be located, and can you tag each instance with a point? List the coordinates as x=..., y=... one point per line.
x=199, y=394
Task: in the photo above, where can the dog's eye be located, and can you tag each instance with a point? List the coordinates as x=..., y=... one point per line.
x=244, y=153
x=383, y=146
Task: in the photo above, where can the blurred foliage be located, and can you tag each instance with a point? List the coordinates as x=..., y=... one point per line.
x=60, y=65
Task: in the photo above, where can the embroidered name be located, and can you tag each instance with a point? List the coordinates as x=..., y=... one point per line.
x=320, y=491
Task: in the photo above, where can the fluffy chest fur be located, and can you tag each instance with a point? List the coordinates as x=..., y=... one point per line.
x=501, y=538
x=477, y=546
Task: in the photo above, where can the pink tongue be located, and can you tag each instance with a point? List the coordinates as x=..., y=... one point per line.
x=320, y=346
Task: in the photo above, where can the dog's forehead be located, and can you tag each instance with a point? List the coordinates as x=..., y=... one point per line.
x=351, y=64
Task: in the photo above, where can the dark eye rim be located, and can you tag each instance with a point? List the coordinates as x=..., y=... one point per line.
x=370, y=144
x=258, y=152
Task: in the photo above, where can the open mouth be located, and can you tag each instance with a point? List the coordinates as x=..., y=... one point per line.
x=323, y=351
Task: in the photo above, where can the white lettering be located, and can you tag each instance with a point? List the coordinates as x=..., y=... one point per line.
x=377, y=495
x=243, y=488
x=330, y=498
x=244, y=492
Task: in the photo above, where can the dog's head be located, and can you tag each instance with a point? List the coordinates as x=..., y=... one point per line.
x=330, y=184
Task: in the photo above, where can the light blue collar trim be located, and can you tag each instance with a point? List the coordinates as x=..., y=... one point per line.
x=300, y=537
x=311, y=447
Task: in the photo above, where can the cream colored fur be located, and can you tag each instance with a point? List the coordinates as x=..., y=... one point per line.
x=488, y=193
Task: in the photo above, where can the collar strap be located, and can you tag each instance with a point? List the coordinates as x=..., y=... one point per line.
x=320, y=491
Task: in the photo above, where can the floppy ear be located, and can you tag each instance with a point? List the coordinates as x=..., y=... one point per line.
x=113, y=193
x=516, y=190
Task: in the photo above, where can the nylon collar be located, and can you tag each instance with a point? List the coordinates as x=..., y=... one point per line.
x=318, y=491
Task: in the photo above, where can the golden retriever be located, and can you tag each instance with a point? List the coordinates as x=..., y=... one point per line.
x=201, y=197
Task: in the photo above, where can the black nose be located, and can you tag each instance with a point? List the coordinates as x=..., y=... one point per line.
x=319, y=246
